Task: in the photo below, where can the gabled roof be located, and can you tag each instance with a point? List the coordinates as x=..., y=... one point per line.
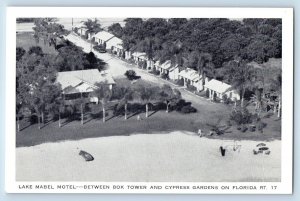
x=116, y=42
x=141, y=55
x=104, y=35
x=217, y=86
x=82, y=80
x=166, y=65
x=190, y=74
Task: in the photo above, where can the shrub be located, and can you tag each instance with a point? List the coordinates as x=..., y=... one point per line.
x=188, y=109
x=140, y=64
x=241, y=116
x=260, y=126
x=131, y=75
x=191, y=87
x=180, y=82
x=225, y=99
x=207, y=93
x=144, y=65
x=244, y=128
x=165, y=76
x=155, y=72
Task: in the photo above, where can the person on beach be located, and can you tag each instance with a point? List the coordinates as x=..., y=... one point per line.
x=200, y=133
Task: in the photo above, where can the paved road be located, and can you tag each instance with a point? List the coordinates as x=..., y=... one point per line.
x=116, y=67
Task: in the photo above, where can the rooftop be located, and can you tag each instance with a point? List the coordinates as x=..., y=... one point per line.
x=217, y=86
x=115, y=41
x=82, y=80
x=104, y=35
x=190, y=74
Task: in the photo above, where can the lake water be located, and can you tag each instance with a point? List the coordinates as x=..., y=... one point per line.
x=67, y=22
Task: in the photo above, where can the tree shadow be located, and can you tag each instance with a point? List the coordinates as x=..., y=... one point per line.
x=152, y=113
x=66, y=122
x=111, y=117
x=25, y=127
x=88, y=120
x=134, y=114
x=48, y=122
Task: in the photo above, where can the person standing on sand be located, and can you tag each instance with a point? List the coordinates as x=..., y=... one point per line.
x=200, y=132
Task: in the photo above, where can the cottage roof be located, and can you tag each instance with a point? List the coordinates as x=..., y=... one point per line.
x=217, y=86
x=190, y=74
x=82, y=80
x=104, y=35
x=141, y=55
x=167, y=65
x=116, y=42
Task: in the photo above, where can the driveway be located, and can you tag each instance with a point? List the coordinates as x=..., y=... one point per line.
x=117, y=68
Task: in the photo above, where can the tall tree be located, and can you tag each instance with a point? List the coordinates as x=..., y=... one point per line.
x=93, y=27
x=116, y=29
x=243, y=78
x=204, y=65
x=103, y=93
x=48, y=30
x=276, y=86
x=124, y=94
x=169, y=95
x=146, y=95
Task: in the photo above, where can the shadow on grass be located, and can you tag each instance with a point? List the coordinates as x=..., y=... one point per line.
x=25, y=127
x=111, y=117
x=152, y=113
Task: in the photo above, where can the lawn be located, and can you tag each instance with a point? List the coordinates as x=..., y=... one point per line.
x=26, y=40
x=158, y=122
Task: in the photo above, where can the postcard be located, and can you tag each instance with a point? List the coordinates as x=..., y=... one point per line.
x=159, y=100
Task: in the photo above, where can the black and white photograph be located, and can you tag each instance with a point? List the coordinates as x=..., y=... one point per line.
x=149, y=99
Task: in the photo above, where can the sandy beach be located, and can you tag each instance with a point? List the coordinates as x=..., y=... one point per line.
x=174, y=157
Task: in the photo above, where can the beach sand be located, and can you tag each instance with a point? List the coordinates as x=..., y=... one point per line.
x=175, y=157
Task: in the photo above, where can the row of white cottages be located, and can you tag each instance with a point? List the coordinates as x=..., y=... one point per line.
x=113, y=43
x=189, y=76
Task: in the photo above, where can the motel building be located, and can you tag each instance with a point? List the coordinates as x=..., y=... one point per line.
x=103, y=37
x=191, y=77
x=142, y=57
x=82, y=82
x=82, y=32
x=115, y=44
x=167, y=68
x=218, y=89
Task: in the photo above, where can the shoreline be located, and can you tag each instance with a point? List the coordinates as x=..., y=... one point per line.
x=178, y=157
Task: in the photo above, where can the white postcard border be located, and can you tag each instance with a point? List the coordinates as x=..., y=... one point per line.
x=283, y=187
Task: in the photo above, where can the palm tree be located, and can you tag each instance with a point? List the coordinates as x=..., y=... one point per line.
x=169, y=95
x=103, y=93
x=204, y=64
x=276, y=85
x=93, y=27
x=18, y=109
x=244, y=78
x=48, y=30
x=146, y=95
x=126, y=94
x=57, y=107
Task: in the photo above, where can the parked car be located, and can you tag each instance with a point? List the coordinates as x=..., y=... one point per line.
x=100, y=49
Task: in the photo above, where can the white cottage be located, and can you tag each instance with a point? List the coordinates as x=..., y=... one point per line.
x=167, y=68
x=191, y=77
x=102, y=37
x=139, y=56
x=218, y=89
x=115, y=44
x=82, y=82
x=82, y=31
